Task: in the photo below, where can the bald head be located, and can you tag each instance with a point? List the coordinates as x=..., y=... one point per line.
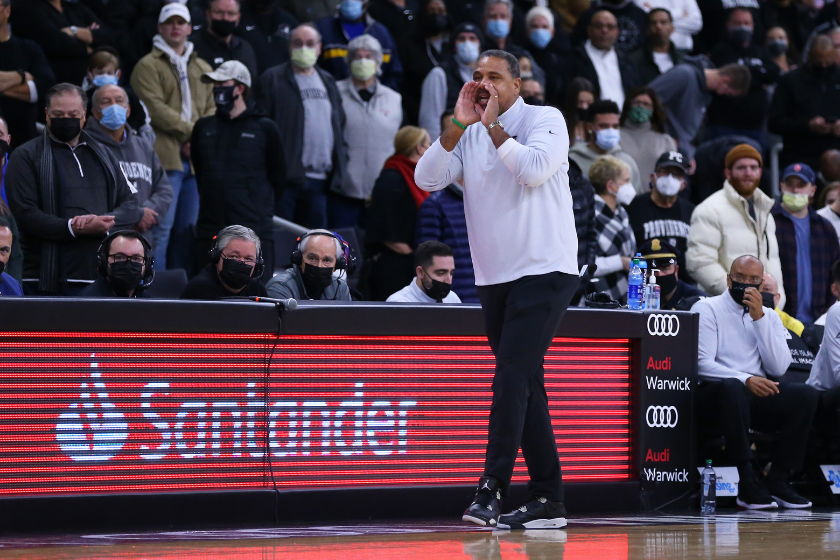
x=822, y=51
x=747, y=270
x=830, y=165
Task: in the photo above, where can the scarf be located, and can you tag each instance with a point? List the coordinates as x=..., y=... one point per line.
x=406, y=167
x=180, y=63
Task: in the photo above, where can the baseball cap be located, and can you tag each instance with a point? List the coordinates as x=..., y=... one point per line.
x=671, y=159
x=800, y=170
x=230, y=70
x=172, y=10
x=660, y=252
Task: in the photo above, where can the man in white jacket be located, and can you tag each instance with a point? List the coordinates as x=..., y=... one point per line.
x=513, y=162
x=732, y=222
x=739, y=347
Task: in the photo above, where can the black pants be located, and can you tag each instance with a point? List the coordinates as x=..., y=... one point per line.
x=521, y=318
x=827, y=420
x=789, y=413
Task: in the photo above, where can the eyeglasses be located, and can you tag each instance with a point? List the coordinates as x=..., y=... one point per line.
x=249, y=262
x=119, y=257
x=744, y=279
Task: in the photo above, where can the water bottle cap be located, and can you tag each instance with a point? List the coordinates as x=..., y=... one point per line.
x=708, y=462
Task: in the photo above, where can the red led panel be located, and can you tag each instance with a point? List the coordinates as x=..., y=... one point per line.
x=105, y=412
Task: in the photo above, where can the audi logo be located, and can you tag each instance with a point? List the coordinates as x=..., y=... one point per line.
x=662, y=416
x=663, y=325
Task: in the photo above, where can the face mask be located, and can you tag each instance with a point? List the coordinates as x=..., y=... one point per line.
x=113, y=117
x=235, y=274
x=105, y=80
x=125, y=276
x=533, y=100
x=667, y=283
x=467, y=52
x=351, y=10
x=304, y=57
x=582, y=114
x=626, y=193
x=224, y=98
x=777, y=48
x=740, y=35
x=65, y=129
x=436, y=23
x=540, y=38
x=608, y=138
x=222, y=27
x=316, y=278
x=438, y=290
x=794, y=202
x=498, y=28
x=639, y=115
x=668, y=185
x=737, y=290
x=363, y=69
x=768, y=300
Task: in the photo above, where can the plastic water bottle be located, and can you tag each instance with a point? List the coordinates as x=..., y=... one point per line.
x=708, y=500
x=652, y=292
x=635, y=294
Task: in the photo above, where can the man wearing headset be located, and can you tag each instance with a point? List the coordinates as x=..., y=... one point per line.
x=235, y=266
x=318, y=255
x=125, y=266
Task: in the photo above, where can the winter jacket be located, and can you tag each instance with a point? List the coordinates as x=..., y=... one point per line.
x=441, y=218
x=268, y=35
x=215, y=51
x=585, y=156
x=289, y=285
x=21, y=116
x=240, y=172
x=369, y=134
x=583, y=204
x=155, y=80
x=642, y=59
x=280, y=98
x=715, y=13
x=723, y=230
x=580, y=66
x=140, y=164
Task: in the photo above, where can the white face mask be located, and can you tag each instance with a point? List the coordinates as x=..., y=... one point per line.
x=668, y=185
x=626, y=193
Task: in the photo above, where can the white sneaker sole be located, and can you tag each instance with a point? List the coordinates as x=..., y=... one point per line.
x=479, y=522
x=785, y=504
x=743, y=504
x=556, y=523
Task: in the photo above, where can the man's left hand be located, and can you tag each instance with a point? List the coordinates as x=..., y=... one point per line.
x=490, y=114
x=752, y=299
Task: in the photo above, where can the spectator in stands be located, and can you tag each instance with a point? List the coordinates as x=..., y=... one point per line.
x=9, y=286
x=14, y=265
x=216, y=42
x=744, y=116
x=631, y=19
x=234, y=268
x=24, y=77
x=829, y=168
x=684, y=16
x=66, y=31
x=733, y=222
x=778, y=45
x=498, y=22
x=738, y=351
x=443, y=84
x=392, y=215
x=659, y=54
x=579, y=96
x=807, y=246
x=804, y=107
x=305, y=103
x=539, y=23
x=598, y=60
x=66, y=192
x=532, y=92
x=616, y=244
x=268, y=28
x=168, y=81
x=5, y=141
x=605, y=136
x=135, y=154
x=710, y=167
x=771, y=287
x=831, y=210
x=825, y=373
x=104, y=69
x=662, y=213
x=238, y=179
x=349, y=22
x=686, y=90
x=310, y=10
x=126, y=267
x=716, y=12
x=663, y=260
x=434, y=266
x=374, y=113
x=318, y=256
x=583, y=205
x=643, y=136
x=793, y=18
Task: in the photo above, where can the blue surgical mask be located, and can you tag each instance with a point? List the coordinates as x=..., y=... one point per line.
x=498, y=28
x=467, y=52
x=540, y=38
x=105, y=80
x=351, y=10
x=608, y=138
x=113, y=117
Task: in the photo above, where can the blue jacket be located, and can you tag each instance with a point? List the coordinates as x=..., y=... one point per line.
x=9, y=286
x=334, y=50
x=441, y=218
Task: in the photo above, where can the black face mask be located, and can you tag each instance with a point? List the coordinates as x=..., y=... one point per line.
x=438, y=290
x=224, y=98
x=738, y=289
x=436, y=23
x=235, y=274
x=739, y=36
x=533, y=101
x=777, y=48
x=582, y=114
x=222, y=27
x=125, y=276
x=316, y=279
x=768, y=300
x=65, y=128
x=667, y=283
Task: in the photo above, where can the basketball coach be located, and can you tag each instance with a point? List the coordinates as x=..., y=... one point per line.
x=512, y=160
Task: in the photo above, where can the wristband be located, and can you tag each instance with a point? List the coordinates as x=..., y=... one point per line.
x=459, y=125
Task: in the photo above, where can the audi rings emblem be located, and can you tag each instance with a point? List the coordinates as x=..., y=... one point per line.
x=662, y=416
x=663, y=325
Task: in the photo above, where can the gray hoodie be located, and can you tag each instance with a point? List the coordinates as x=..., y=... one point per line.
x=139, y=164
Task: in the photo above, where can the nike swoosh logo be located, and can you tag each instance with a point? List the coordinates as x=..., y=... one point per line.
x=550, y=132
x=250, y=27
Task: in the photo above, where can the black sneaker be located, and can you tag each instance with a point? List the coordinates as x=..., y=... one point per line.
x=753, y=495
x=486, y=505
x=539, y=513
x=785, y=495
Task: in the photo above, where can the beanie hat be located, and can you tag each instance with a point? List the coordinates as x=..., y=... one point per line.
x=743, y=151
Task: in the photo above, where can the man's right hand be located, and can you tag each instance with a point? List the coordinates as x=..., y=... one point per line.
x=92, y=225
x=149, y=219
x=762, y=387
x=465, y=112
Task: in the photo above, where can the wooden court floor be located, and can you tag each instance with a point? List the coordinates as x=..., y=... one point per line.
x=742, y=535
